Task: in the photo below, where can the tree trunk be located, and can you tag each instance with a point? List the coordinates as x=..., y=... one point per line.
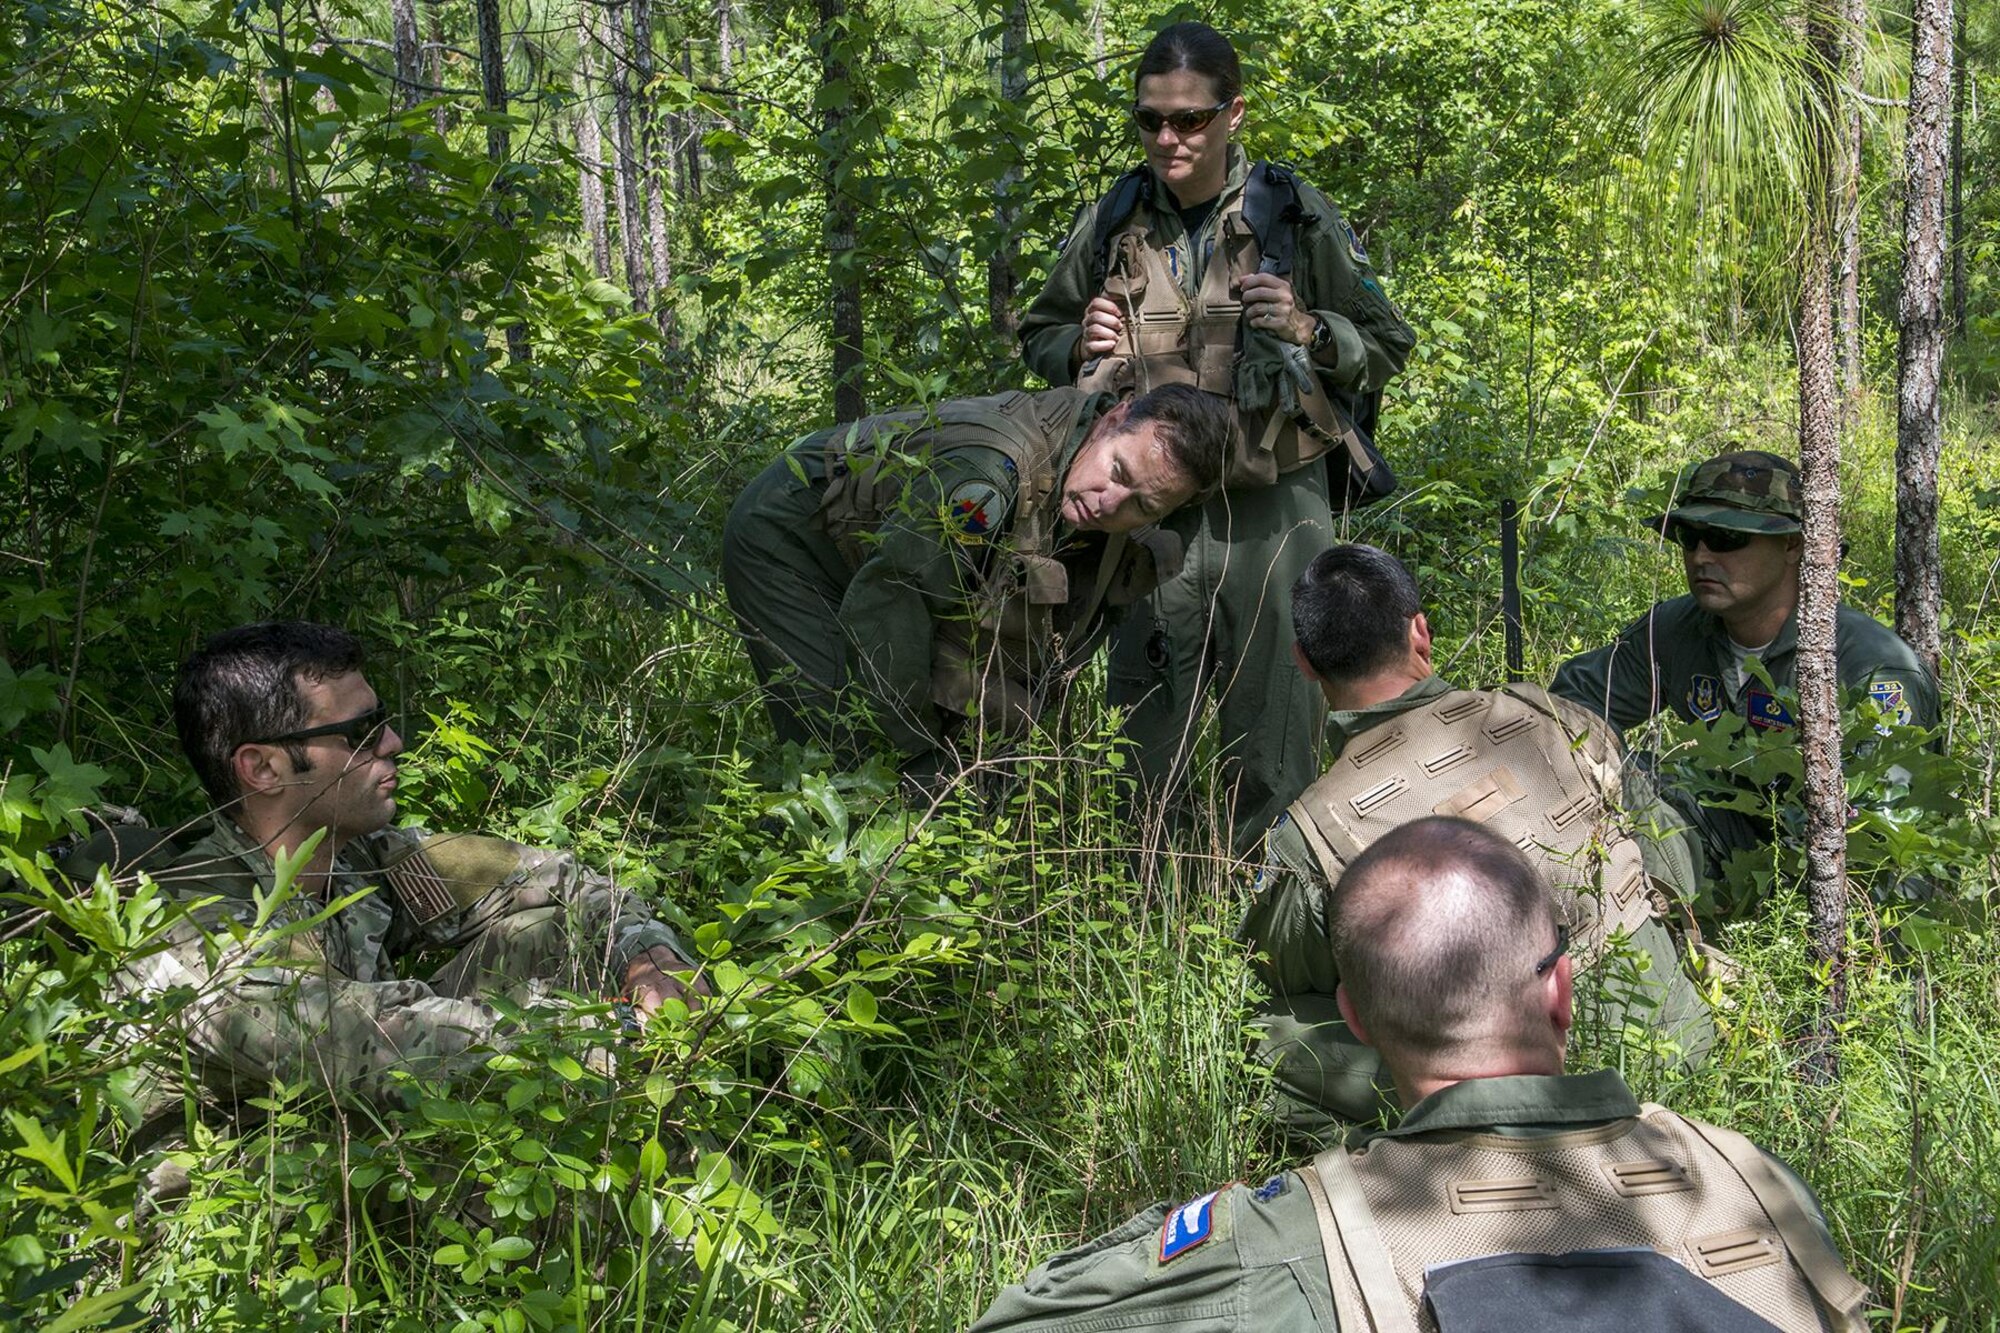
x=725, y=41
x=493, y=89
x=655, y=160
x=1097, y=40
x=1853, y=25
x=625, y=164
x=1920, y=346
x=1002, y=267
x=409, y=53
x=1964, y=68
x=843, y=269
x=695, y=129
x=1819, y=583
x=590, y=149
x=441, y=112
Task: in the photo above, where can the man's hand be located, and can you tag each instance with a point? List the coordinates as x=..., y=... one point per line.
x=648, y=984
x=1102, y=323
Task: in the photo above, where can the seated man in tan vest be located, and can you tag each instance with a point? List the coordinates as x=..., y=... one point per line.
x=299, y=755
x=1511, y=1197
x=1544, y=773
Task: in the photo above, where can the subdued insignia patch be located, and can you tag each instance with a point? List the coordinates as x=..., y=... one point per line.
x=972, y=510
x=1354, y=247
x=1704, y=698
x=1768, y=711
x=1188, y=1226
x=1269, y=1190
x=1889, y=697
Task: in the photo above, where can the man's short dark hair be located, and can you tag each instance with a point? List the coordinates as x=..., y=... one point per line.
x=244, y=683
x=1196, y=428
x=1351, y=611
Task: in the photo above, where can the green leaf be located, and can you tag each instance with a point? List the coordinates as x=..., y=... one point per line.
x=861, y=1005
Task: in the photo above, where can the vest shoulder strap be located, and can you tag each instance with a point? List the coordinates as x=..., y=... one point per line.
x=1120, y=202
x=1349, y=1237
x=1841, y=1298
x=1271, y=206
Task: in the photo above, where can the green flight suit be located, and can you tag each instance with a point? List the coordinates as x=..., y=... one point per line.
x=1224, y=623
x=843, y=650
x=1260, y=1267
x=1325, y=1078
x=1677, y=656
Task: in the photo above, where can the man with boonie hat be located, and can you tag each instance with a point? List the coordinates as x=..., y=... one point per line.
x=1737, y=524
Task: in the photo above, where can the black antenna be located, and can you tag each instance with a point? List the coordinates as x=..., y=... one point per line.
x=1510, y=590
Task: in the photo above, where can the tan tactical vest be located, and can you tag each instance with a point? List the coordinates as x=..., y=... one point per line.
x=1534, y=768
x=1170, y=338
x=999, y=663
x=1701, y=1195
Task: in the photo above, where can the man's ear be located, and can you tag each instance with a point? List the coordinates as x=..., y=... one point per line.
x=1354, y=1023
x=1420, y=636
x=260, y=768
x=1559, y=993
x=1304, y=664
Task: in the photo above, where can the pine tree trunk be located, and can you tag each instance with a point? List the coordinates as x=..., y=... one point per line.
x=655, y=169
x=408, y=53
x=590, y=149
x=625, y=164
x=725, y=41
x=1819, y=583
x=1854, y=23
x=692, y=141
x=843, y=269
x=441, y=113
x=1964, y=68
x=1920, y=347
x=1003, y=266
x=493, y=88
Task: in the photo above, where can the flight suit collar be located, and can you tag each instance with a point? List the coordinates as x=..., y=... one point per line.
x=1344, y=726
x=1722, y=658
x=1530, y=1101
x=227, y=840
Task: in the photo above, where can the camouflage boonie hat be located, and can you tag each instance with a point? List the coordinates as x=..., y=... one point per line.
x=1747, y=491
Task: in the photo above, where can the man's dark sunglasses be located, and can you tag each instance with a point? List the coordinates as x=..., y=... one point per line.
x=1543, y=968
x=1184, y=122
x=360, y=732
x=1719, y=540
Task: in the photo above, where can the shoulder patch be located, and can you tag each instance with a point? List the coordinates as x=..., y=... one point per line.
x=1269, y=1190
x=1355, y=250
x=973, y=510
x=1704, y=698
x=1890, y=698
x=1768, y=711
x=1188, y=1226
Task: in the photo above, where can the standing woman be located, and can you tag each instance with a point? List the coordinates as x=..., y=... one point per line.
x=1202, y=267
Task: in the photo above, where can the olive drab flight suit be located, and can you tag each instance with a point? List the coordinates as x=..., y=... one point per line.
x=1224, y=623
x=1538, y=770
x=1561, y=1177
x=326, y=1005
x=914, y=566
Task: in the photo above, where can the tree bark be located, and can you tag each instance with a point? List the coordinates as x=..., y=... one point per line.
x=1854, y=21
x=1964, y=68
x=409, y=53
x=590, y=148
x=691, y=143
x=843, y=269
x=1003, y=265
x=493, y=89
x=1920, y=346
x=1819, y=583
x=655, y=169
x=441, y=112
x=725, y=41
x=625, y=164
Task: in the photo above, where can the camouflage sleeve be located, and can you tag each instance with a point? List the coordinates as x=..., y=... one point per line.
x=1285, y=924
x=918, y=575
x=1371, y=341
x=1053, y=323
x=1618, y=682
x=267, y=1010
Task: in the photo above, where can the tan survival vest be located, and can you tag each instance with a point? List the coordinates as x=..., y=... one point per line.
x=1536, y=769
x=1170, y=338
x=1699, y=1194
x=999, y=663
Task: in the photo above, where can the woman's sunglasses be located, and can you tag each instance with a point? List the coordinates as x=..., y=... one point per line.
x=1721, y=541
x=1184, y=122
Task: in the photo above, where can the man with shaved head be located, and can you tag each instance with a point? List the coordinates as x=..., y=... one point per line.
x=1510, y=1197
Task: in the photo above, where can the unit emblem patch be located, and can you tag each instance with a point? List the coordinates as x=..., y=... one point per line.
x=973, y=509
x=1768, y=711
x=1188, y=1226
x=1889, y=697
x=1354, y=247
x=1704, y=698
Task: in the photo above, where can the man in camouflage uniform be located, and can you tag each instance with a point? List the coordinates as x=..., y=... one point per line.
x=1510, y=1196
x=295, y=748
x=1405, y=742
x=1737, y=522
x=917, y=571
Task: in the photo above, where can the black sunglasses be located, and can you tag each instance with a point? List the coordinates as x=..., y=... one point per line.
x=1719, y=540
x=1184, y=122
x=1555, y=955
x=360, y=732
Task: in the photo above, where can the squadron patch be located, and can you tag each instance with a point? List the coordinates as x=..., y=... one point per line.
x=1188, y=1226
x=973, y=509
x=1269, y=1190
x=1768, y=711
x=1888, y=696
x=1354, y=247
x=1704, y=698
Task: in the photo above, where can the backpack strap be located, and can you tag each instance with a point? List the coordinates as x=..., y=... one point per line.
x=1347, y=1228
x=1841, y=1298
x=1271, y=206
x=1120, y=202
